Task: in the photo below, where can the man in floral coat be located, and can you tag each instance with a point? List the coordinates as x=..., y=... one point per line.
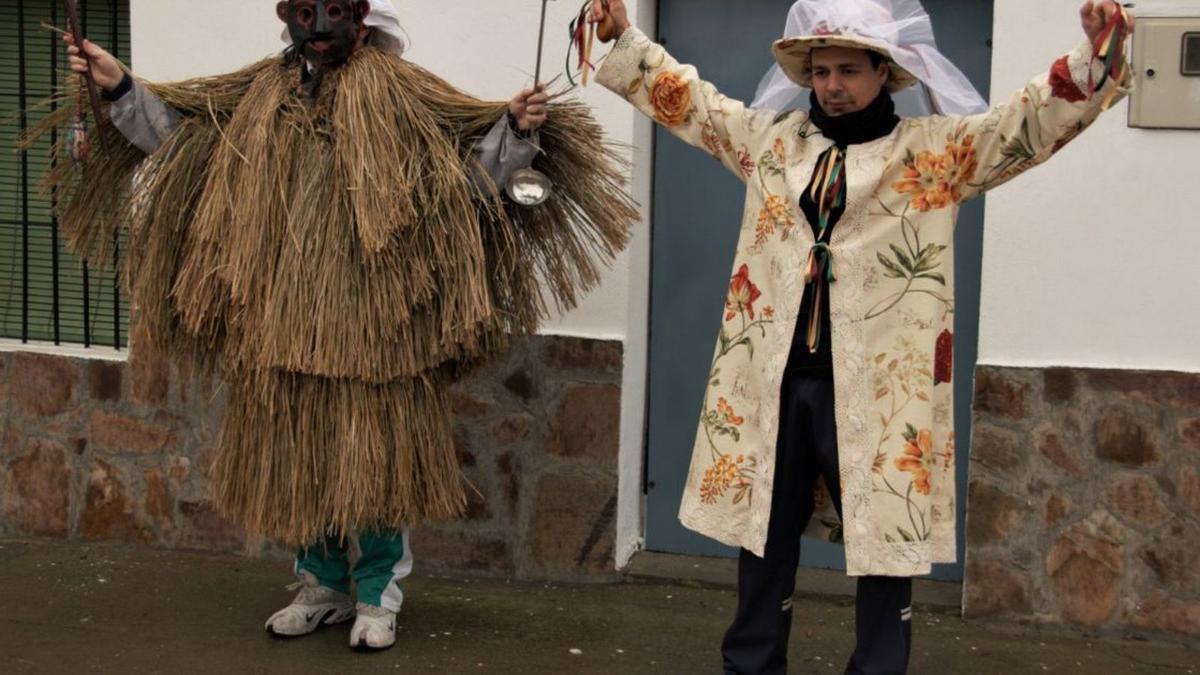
x=831, y=381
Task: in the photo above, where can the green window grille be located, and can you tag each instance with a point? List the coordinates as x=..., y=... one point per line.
x=47, y=294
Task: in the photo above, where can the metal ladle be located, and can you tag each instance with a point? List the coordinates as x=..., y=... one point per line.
x=530, y=187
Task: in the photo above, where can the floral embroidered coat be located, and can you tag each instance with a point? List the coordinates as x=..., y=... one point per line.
x=892, y=303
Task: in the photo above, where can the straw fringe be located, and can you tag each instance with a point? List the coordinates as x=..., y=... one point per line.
x=335, y=263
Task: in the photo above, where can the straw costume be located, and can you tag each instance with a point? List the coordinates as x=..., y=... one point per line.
x=330, y=242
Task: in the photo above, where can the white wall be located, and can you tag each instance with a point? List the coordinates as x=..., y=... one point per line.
x=1090, y=260
x=488, y=48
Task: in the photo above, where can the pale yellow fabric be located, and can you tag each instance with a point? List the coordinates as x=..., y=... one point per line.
x=893, y=298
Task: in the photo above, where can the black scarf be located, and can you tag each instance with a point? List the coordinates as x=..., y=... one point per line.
x=872, y=122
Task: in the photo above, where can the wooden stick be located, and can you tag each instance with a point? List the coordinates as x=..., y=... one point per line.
x=587, y=53
x=93, y=95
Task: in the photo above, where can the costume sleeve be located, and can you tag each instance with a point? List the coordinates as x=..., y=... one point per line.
x=1031, y=127
x=501, y=153
x=142, y=117
x=673, y=94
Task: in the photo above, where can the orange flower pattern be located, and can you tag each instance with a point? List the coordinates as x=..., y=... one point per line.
x=935, y=181
x=727, y=472
x=726, y=411
x=776, y=215
x=918, y=458
x=671, y=98
x=742, y=295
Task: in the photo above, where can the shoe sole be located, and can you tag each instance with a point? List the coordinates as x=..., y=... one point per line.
x=365, y=648
x=325, y=619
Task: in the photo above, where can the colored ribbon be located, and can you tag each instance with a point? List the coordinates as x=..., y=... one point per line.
x=818, y=274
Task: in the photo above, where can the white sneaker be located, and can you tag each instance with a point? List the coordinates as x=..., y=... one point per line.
x=375, y=628
x=314, y=605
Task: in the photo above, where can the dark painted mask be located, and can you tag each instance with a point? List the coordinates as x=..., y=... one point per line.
x=325, y=32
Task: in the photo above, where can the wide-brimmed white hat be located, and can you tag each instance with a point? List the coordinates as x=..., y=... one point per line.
x=794, y=56
x=899, y=30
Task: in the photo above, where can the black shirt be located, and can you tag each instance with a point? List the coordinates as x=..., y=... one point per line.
x=869, y=124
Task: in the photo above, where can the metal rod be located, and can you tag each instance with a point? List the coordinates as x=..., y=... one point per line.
x=24, y=176
x=114, y=43
x=54, y=200
x=87, y=285
x=87, y=307
x=537, y=73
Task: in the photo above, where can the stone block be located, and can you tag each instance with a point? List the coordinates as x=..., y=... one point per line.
x=589, y=423
x=42, y=385
x=108, y=510
x=1152, y=387
x=104, y=380
x=1057, y=508
x=1189, y=433
x=1053, y=450
x=996, y=394
x=467, y=404
x=521, y=383
x=999, y=450
x=1162, y=612
x=1059, y=385
x=119, y=433
x=37, y=489
x=1085, y=565
x=991, y=514
x=159, y=505
x=1137, y=499
x=1174, y=557
x=568, y=353
x=994, y=588
x=513, y=428
x=574, y=522
x=1121, y=439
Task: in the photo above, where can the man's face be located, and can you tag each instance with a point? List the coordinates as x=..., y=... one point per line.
x=326, y=31
x=845, y=80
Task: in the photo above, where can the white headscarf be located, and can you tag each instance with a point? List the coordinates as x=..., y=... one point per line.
x=385, y=20
x=903, y=25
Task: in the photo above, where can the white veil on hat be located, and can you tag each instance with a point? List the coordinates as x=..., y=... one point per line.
x=384, y=18
x=899, y=29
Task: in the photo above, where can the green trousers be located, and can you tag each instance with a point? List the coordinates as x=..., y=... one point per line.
x=385, y=561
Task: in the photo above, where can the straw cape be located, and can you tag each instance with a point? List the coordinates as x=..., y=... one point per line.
x=334, y=263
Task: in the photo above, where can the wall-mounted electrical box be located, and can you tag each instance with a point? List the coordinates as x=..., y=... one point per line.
x=1166, y=65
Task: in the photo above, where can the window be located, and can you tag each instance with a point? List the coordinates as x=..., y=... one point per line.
x=46, y=293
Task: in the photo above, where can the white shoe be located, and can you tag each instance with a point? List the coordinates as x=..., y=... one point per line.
x=314, y=606
x=375, y=628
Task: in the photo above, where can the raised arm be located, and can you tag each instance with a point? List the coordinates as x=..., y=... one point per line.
x=673, y=94
x=136, y=112
x=1049, y=112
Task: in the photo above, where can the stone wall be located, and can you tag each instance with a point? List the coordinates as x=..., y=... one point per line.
x=110, y=451
x=1084, y=504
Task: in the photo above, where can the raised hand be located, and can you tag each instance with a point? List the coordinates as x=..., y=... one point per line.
x=106, y=70
x=614, y=10
x=529, y=108
x=1096, y=15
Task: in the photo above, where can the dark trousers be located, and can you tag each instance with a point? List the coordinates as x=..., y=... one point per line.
x=757, y=642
